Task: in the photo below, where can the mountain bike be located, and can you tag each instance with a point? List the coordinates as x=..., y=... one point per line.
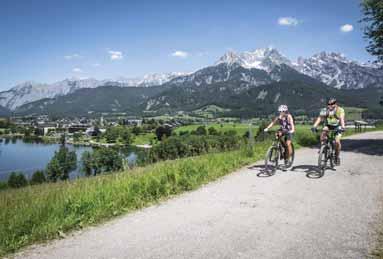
x=327, y=151
x=278, y=151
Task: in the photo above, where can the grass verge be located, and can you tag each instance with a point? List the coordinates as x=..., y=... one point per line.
x=38, y=213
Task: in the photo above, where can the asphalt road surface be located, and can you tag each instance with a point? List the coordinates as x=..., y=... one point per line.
x=291, y=214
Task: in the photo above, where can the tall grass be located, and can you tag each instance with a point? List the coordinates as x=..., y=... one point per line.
x=42, y=212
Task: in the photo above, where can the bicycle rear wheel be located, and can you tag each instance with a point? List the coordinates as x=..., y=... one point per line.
x=271, y=160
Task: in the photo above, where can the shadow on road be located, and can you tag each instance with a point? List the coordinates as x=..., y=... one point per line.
x=366, y=146
x=262, y=171
x=312, y=171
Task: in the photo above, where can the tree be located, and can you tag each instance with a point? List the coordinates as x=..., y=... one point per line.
x=201, y=130
x=62, y=163
x=38, y=177
x=127, y=137
x=28, y=132
x=373, y=31
x=162, y=131
x=63, y=139
x=106, y=160
x=112, y=134
x=137, y=130
x=77, y=136
x=87, y=163
x=17, y=180
x=4, y=123
x=213, y=131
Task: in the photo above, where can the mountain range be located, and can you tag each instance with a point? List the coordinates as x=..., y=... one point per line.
x=255, y=79
x=31, y=91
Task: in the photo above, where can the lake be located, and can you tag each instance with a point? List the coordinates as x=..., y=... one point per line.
x=25, y=157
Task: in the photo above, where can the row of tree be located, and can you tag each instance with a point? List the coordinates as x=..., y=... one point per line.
x=122, y=133
x=102, y=160
x=18, y=179
x=64, y=161
x=176, y=146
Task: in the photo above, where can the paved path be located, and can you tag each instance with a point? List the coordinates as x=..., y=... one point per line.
x=288, y=215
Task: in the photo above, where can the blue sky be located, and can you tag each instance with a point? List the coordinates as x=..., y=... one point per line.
x=47, y=41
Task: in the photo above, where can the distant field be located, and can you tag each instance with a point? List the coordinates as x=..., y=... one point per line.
x=353, y=113
x=144, y=139
x=210, y=111
x=240, y=128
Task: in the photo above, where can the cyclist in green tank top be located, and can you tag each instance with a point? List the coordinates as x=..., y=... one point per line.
x=333, y=117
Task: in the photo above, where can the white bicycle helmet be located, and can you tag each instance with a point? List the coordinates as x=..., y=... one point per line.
x=283, y=108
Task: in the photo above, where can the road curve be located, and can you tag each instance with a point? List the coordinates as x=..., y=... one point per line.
x=289, y=215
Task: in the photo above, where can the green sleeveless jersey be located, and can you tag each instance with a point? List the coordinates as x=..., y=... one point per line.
x=332, y=118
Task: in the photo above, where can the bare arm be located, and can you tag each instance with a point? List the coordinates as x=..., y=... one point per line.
x=342, y=122
x=291, y=121
x=272, y=123
x=318, y=120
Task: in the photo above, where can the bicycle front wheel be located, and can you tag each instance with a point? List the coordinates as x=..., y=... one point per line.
x=331, y=155
x=271, y=159
x=290, y=161
x=322, y=159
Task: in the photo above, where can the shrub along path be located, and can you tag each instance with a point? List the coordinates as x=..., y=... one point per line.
x=288, y=215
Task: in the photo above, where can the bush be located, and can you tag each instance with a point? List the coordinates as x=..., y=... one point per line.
x=191, y=145
x=163, y=131
x=3, y=186
x=182, y=133
x=201, y=130
x=379, y=124
x=137, y=130
x=213, y=131
x=38, y=177
x=261, y=127
x=17, y=180
x=306, y=138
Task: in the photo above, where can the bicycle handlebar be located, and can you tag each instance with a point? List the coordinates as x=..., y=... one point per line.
x=332, y=130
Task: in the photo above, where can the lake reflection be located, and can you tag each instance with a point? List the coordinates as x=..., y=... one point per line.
x=29, y=156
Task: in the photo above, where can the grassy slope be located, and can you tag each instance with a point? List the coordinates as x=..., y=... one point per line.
x=38, y=213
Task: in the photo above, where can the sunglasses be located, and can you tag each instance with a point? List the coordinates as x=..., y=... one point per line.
x=331, y=104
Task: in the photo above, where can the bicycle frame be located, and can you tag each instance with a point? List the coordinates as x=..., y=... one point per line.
x=277, y=151
x=328, y=150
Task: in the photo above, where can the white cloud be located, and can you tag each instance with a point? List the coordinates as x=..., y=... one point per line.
x=180, y=54
x=96, y=65
x=288, y=21
x=115, y=55
x=346, y=28
x=77, y=70
x=73, y=56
